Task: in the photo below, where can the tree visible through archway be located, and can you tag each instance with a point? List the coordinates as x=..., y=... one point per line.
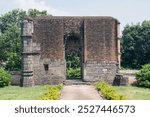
x=73, y=65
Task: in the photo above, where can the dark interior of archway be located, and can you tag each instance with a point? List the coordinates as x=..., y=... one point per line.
x=73, y=57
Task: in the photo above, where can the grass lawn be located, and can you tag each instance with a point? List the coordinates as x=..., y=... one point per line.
x=21, y=93
x=134, y=93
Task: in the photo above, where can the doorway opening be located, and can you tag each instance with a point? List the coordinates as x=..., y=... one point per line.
x=73, y=56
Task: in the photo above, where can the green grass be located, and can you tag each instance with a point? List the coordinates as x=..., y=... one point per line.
x=134, y=93
x=21, y=93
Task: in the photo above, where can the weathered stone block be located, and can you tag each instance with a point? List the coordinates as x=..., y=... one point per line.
x=120, y=80
x=94, y=72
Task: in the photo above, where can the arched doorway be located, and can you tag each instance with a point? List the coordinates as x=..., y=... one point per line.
x=73, y=56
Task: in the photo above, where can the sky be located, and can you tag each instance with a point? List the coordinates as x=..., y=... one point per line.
x=126, y=11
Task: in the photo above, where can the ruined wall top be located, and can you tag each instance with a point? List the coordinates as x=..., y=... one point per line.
x=98, y=34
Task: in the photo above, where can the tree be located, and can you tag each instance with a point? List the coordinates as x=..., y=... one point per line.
x=135, y=45
x=10, y=42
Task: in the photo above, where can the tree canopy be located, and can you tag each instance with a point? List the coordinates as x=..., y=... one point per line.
x=10, y=42
x=135, y=45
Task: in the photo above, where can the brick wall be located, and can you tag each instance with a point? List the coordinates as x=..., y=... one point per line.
x=100, y=49
x=96, y=41
x=100, y=41
x=48, y=33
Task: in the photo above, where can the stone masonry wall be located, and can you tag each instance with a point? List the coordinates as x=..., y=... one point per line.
x=49, y=64
x=48, y=32
x=73, y=34
x=100, y=41
x=100, y=71
x=55, y=74
x=100, y=49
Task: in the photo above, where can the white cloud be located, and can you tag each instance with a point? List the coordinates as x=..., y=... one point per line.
x=34, y=4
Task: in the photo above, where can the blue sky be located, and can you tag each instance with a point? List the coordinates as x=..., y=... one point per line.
x=126, y=11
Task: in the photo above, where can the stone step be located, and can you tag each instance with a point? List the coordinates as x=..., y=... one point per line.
x=76, y=82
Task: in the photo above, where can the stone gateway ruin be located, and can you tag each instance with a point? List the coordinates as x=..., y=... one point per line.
x=46, y=41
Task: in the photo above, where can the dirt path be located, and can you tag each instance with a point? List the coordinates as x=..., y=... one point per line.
x=79, y=92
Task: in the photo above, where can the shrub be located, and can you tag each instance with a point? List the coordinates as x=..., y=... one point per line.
x=73, y=65
x=60, y=86
x=5, y=78
x=73, y=72
x=52, y=92
x=109, y=92
x=143, y=76
x=100, y=85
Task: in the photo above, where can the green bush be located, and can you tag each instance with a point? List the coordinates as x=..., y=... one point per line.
x=100, y=85
x=109, y=92
x=52, y=92
x=60, y=86
x=73, y=72
x=73, y=65
x=5, y=78
x=143, y=76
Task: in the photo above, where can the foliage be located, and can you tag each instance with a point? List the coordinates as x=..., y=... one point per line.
x=5, y=78
x=135, y=43
x=34, y=13
x=52, y=92
x=71, y=72
x=60, y=86
x=109, y=92
x=73, y=65
x=143, y=76
x=10, y=41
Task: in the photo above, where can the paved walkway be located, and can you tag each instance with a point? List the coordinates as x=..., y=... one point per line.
x=79, y=92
